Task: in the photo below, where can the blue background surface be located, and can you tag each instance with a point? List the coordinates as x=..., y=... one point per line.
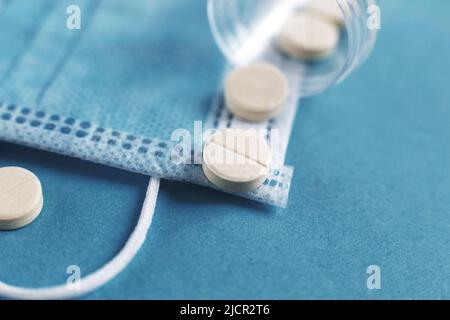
x=372, y=186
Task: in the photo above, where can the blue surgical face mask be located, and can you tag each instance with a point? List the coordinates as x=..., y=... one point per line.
x=116, y=89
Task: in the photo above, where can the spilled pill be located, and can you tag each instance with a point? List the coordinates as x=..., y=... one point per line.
x=308, y=36
x=21, y=198
x=256, y=92
x=236, y=160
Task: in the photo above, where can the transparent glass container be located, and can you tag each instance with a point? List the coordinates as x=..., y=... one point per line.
x=246, y=31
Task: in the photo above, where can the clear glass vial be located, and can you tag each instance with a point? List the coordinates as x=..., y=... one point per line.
x=246, y=31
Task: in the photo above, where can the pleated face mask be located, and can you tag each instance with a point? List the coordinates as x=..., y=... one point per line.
x=114, y=88
x=117, y=87
x=121, y=82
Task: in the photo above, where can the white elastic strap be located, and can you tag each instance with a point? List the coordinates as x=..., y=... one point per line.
x=104, y=274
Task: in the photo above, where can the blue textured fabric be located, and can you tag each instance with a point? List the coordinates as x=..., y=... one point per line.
x=109, y=72
x=133, y=73
x=372, y=186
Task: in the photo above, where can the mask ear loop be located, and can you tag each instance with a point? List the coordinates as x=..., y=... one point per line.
x=106, y=273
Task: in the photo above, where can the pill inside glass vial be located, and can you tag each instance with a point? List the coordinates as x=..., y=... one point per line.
x=236, y=160
x=250, y=30
x=308, y=36
x=21, y=198
x=312, y=32
x=256, y=92
x=328, y=9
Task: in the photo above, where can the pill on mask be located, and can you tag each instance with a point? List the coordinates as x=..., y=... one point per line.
x=307, y=36
x=328, y=9
x=236, y=160
x=21, y=198
x=256, y=92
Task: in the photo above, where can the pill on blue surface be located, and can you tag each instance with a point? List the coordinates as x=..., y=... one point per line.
x=236, y=160
x=256, y=92
x=21, y=198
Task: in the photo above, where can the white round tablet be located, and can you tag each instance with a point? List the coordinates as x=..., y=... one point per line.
x=21, y=199
x=329, y=9
x=308, y=36
x=256, y=92
x=236, y=160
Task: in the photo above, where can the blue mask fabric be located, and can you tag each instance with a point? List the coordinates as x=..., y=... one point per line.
x=114, y=91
